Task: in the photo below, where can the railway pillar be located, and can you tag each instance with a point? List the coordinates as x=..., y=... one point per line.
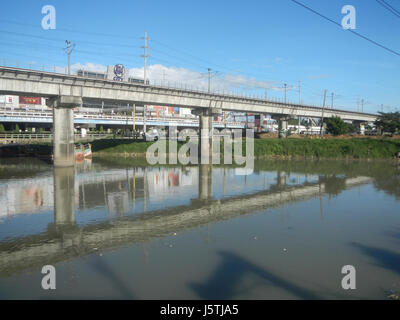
x=205, y=141
x=283, y=125
x=63, y=129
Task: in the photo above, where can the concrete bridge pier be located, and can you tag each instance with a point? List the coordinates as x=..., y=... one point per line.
x=63, y=129
x=361, y=126
x=205, y=141
x=283, y=124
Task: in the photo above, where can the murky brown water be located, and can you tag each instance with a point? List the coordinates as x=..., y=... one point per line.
x=135, y=231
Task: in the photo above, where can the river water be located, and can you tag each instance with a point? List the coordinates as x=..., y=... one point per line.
x=122, y=229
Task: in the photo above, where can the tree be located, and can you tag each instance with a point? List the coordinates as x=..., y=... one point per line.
x=2, y=127
x=16, y=128
x=336, y=126
x=304, y=122
x=388, y=121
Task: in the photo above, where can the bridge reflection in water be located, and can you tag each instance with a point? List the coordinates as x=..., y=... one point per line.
x=66, y=238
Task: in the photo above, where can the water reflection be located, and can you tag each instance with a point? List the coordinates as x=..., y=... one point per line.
x=98, y=206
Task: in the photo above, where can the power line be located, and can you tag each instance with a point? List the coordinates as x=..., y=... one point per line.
x=388, y=7
x=60, y=39
x=352, y=31
x=72, y=30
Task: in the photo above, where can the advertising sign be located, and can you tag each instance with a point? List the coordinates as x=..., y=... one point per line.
x=30, y=100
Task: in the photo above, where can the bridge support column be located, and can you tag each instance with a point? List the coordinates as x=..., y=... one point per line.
x=63, y=129
x=283, y=123
x=361, y=126
x=205, y=141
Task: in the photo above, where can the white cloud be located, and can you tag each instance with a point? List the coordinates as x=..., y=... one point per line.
x=88, y=66
x=161, y=75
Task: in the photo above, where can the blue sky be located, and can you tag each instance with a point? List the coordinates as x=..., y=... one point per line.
x=249, y=44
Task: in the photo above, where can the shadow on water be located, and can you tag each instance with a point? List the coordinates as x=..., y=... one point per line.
x=385, y=258
x=102, y=267
x=224, y=281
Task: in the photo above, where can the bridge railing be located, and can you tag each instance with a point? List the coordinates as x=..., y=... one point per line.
x=49, y=136
x=126, y=118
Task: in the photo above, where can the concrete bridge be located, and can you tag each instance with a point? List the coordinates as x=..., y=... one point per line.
x=65, y=239
x=64, y=92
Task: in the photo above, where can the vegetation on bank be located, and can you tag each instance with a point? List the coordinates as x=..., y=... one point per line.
x=357, y=148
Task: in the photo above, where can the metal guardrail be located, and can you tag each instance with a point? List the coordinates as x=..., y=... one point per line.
x=49, y=136
x=42, y=115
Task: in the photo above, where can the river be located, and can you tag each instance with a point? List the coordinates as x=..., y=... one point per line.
x=125, y=230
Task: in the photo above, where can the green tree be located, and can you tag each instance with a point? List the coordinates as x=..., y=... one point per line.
x=336, y=126
x=2, y=128
x=101, y=129
x=16, y=128
x=388, y=121
x=304, y=122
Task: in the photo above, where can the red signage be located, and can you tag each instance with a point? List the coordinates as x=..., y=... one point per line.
x=30, y=100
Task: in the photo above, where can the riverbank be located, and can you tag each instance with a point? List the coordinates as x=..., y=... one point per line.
x=270, y=148
x=355, y=148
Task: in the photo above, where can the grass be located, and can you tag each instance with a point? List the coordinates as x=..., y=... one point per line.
x=355, y=148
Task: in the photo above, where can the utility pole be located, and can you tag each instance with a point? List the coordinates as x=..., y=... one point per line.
x=285, y=85
x=68, y=50
x=144, y=119
x=209, y=79
x=145, y=56
x=266, y=93
x=332, y=101
x=362, y=105
x=322, y=118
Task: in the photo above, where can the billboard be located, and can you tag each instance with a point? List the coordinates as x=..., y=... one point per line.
x=30, y=100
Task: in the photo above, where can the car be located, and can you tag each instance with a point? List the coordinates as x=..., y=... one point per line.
x=152, y=135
